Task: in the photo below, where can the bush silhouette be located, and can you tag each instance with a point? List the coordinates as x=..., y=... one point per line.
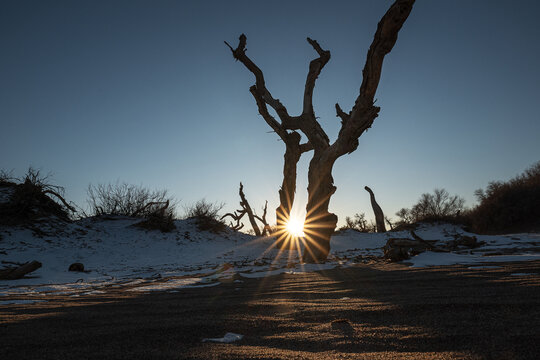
x=155, y=206
x=439, y=206
x=509, y=206
x=206, y=215
x=32, y=198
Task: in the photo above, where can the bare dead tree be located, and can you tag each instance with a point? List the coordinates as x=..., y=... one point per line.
x=379, y=215
x=320, y=224
x=245, y=209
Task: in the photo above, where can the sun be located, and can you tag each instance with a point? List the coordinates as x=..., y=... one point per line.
x=295, y=227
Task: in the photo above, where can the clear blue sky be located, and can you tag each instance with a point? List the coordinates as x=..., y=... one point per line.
x=146, y=92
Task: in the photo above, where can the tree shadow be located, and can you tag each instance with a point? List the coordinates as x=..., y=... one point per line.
x=370, y=311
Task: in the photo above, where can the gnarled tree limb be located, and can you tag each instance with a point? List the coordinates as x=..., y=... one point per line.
x=291, y=139
x=245, y=209
x=266, y=227
x=260, y=87
x=364, y=111
x=52, y=192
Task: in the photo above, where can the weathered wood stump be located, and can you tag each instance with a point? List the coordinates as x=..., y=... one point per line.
x=15, y=273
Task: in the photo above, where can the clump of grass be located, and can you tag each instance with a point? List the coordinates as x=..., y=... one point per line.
x=206, y=215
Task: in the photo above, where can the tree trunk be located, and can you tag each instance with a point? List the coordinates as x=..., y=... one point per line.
x=320, y=223
x=288, y=186
x=379, y=216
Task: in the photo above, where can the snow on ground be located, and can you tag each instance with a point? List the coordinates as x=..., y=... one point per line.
x=116, y=254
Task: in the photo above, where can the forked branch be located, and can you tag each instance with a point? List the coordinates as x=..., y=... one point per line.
x=315, y=68
x=260, y=86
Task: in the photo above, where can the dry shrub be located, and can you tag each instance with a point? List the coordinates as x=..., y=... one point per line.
x=358, y=223
x=511, y=206
x=127, y=200
x=206, y=215
x=32, y=198
x=155, y=206
x=6, y=177
x=161, y=219
x=439, y=206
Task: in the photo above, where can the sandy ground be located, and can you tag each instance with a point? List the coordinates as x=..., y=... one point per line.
x=379, y=311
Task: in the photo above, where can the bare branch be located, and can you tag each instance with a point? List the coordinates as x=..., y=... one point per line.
x=383, y=42
x=341, y=114
x=315, y=68
x=260, y=87
x=266, y=227
x=306, y=147
x=263, y=110
x=52, y=192
x=230, y=47
x=245, y=205
x=307, y=122
x=364, y=111
x=237, y=217
x=164, y=206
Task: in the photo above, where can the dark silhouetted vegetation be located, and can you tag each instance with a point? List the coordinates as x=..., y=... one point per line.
x=358, y=223
x=126, y=200
x=439, y=206
x=122, y=199
x=31, y=198
x=509, y=206
x=206, y=215
x=504, y=207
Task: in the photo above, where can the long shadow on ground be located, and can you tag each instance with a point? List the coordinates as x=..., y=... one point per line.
x=382, y=311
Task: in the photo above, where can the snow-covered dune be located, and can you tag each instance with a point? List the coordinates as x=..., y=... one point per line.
x=115, y=253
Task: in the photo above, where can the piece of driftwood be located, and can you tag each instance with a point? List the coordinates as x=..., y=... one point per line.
x=397, y=249
x=14, y=273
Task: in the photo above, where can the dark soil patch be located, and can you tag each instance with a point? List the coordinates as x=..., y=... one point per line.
x=378, y=312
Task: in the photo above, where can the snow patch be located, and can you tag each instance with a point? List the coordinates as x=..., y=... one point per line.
x=228, y=338
x=118, y=255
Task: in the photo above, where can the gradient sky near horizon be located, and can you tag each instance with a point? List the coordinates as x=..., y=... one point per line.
x=146, y=92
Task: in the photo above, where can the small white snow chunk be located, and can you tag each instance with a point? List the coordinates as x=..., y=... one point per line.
x=228, y=338
x=345, y=298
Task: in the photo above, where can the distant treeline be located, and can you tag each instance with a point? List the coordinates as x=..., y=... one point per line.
x=503, y=207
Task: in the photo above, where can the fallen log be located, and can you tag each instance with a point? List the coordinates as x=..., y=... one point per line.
x=19, y=272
